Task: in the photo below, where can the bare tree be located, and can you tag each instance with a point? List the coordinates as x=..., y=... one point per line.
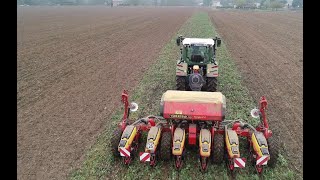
x=276, y=4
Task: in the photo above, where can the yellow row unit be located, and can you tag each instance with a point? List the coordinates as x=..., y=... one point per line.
x=205, y=142
x=178, y=141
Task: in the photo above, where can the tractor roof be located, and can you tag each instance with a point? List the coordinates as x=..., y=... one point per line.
x=198, y=41
x=194, y=97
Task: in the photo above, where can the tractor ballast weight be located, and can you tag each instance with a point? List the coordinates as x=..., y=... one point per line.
x=195, y=118
x=197, y=68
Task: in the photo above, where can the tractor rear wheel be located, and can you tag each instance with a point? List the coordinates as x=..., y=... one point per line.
x=181, y=83
x=115, y=139
x=218, y=149
x=212, y=83
x=273, y=145
x=165, y=149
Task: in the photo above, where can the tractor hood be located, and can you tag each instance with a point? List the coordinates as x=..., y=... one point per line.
x=193, y=105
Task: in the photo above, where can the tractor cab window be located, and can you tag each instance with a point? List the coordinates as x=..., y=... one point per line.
x=197, y=54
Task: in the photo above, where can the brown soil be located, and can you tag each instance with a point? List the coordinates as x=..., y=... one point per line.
x=268, y=50
x=72, y=63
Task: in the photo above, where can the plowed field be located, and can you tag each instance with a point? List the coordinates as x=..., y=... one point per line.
x=268, y=50
x=72, y=63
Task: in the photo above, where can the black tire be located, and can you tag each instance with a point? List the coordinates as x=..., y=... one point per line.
x=212, y=83
x=218, y=149
x=165, y=149
x=274, y=147
x=161, y=110
x=181, y=83
x=114, y=141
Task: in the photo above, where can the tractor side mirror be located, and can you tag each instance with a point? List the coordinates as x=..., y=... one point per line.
x=255, y=113
x=218, y=42
x=133, y=107
x=178, y=40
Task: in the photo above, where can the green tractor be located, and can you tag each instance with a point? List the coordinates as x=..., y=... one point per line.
x=197, y=68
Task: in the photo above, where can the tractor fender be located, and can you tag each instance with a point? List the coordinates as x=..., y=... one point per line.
x=181, y=69
x=212, y=70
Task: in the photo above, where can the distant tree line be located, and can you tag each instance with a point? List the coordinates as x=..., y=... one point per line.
x=62, y=2
x=207, y=2
x=267, y=4
x=96, y=2
x=160, y=2
x=274, y=4
x=297, y=3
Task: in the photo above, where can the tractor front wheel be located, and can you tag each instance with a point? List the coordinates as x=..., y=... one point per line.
x=218, y=149
x=115, y=139
x=165, y=149
x=273, y=145
x=212, y=83
x=181, y=83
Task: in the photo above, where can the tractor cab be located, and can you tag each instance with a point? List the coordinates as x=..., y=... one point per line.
x=198, y=50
